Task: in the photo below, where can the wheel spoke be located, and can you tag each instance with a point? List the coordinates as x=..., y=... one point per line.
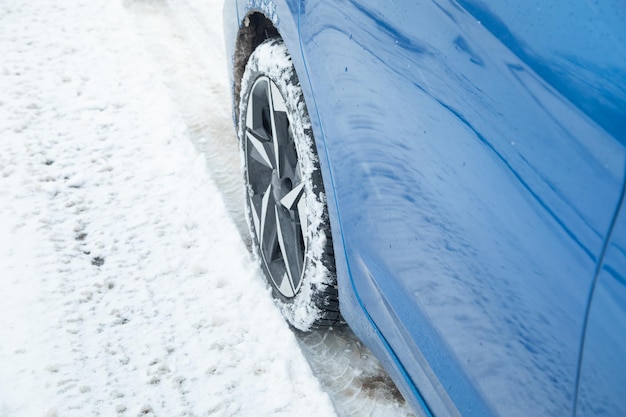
x=268, y=235
x=276, y=104
x=289, y=243
x=286, y=286
x=291, y=199
x=260, y=150
x=294, y=201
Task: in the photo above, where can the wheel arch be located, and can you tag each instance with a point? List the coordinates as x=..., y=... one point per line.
x=254, y=29
x=259, y=20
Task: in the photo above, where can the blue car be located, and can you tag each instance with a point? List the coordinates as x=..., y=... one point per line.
x=447, y=177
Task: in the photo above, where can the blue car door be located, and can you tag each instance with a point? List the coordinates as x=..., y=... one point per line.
x=476, y=150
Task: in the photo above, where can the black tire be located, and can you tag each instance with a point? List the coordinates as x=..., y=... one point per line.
x=286, y=207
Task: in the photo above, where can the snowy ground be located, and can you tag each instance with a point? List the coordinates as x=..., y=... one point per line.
x=125, y=282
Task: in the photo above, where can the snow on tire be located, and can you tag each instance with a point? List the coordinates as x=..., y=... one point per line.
x=286, y=209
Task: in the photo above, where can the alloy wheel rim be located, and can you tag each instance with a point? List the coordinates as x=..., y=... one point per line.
x=276, y=189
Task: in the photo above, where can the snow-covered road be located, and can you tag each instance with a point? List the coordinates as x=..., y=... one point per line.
x=126, y=287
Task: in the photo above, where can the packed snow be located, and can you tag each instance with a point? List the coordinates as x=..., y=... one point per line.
x=126, y=289
x=126, y=285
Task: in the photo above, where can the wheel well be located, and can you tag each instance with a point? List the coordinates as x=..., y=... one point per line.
x=256, y=28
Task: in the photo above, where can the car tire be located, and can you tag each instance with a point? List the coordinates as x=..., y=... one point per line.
x=285, y=199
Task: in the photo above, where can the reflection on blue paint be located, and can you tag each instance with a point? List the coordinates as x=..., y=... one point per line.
x=489, y=192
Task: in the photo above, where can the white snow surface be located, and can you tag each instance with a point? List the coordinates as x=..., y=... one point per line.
x=125, y=287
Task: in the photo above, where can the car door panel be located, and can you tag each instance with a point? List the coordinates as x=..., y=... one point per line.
x=474, y=192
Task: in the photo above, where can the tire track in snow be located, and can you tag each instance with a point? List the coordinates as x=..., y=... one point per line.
x=192, y=62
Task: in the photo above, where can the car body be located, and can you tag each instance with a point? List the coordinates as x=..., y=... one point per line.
x=473, y=154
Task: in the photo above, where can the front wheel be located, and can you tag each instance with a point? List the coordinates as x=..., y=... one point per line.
x=285, y=198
